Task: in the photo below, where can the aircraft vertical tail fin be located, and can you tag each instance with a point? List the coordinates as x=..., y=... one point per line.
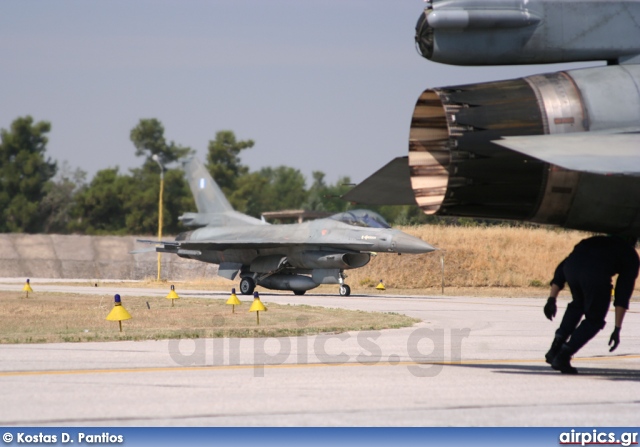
x=213, y=207
x=206, y=192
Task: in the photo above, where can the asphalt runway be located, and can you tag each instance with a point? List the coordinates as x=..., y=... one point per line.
x=470, y=362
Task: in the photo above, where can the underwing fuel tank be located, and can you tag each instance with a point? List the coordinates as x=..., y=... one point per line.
x=456, y=168
x=288, y=282
x=501, y=32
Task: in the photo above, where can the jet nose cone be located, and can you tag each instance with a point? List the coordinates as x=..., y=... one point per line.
x=403, y=243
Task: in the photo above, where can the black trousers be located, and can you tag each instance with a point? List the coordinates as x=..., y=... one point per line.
x=591, y=295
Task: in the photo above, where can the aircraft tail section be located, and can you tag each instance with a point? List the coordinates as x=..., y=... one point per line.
x=206, y=192
x=213, y=207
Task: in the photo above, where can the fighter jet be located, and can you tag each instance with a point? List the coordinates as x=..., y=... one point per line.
x=559, y=148
x=296, y=257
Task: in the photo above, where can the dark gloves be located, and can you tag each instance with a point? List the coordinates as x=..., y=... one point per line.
x=550, y=308
x=615, y=339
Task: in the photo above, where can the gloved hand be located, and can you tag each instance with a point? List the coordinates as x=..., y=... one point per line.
x=615, y=339
x=550, y=308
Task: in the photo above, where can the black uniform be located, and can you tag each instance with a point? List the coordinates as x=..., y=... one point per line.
x=588, y=271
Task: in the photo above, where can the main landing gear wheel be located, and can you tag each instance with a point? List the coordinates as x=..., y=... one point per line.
x=299, y=292
x=247, y=285
x=345, y=290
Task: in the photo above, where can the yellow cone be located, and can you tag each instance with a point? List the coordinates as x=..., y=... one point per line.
x=380, y=286
x=257, y=306
x=118, y=313
x=172, y=295
x=27, y=288
x=233, y=301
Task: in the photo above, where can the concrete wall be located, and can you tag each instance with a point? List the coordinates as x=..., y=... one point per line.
x=90, y=257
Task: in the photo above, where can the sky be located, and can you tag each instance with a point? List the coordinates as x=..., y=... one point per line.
x=325, y=85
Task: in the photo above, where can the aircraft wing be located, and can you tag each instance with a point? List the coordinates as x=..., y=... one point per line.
x=197, y=247
x=606, y=153
x=390, y=185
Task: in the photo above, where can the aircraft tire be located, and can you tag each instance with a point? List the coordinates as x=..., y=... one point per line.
x=345, y=290
x=299, y=292
x=247, y=285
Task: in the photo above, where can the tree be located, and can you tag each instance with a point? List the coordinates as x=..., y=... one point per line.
x=115, y=203
x=223, y=160
x=99, y=208
x=315, y=195
x=285, y=188
x=269, y=189
x=58, y=204
x=24, y=172
x=248, y=196
x=333, y=193
x=141, y=205
x=148, y=139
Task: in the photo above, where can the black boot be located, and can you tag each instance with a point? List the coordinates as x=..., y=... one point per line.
x=562, y=361
x=554, y=350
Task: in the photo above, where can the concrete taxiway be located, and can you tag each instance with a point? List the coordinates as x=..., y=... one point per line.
x=469, y=362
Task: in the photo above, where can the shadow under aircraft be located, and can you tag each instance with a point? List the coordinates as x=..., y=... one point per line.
x=296, y=257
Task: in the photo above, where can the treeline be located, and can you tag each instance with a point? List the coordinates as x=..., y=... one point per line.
x=38, y=196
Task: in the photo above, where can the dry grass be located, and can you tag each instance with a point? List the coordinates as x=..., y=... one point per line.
x=49, y=317
x=485, y=257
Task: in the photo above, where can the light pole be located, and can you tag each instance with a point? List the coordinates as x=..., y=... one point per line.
x=157, y=160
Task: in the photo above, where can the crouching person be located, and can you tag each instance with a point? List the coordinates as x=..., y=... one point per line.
x=589, y=270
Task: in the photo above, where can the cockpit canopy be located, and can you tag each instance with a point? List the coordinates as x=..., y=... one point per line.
x=361, y=218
